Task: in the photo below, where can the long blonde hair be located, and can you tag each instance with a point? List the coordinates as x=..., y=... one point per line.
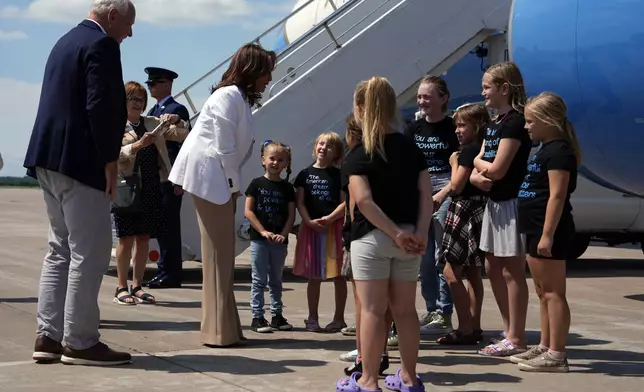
x=551, y=110
x=378, y=114
x=508, y=72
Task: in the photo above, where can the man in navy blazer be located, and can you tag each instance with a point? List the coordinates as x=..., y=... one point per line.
x=74, y=146
x=170, y=262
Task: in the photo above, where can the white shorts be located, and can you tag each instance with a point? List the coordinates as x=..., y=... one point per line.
x=376, y=256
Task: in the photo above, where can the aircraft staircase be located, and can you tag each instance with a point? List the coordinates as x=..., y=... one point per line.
x=314, y=80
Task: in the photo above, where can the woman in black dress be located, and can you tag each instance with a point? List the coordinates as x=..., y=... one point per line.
x=145, y=153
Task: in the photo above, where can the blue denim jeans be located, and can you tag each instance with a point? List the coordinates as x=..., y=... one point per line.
x=433, y=285
x=267, y=264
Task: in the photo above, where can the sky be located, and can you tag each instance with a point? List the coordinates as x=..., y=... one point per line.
x=189, y=37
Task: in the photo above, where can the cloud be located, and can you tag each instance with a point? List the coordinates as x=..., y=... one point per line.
x=160, y=12
x=18, y=112
x=14, y=35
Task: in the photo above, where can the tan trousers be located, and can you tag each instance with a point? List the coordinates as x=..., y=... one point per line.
x=220, y=325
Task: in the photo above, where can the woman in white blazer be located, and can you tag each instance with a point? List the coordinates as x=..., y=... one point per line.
x=208, y=167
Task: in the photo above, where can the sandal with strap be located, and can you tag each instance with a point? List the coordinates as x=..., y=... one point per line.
x=335, y=326
x=312, y=325
x=125, y=299
x=504, y=348
x=457, y=338
x=143, y=298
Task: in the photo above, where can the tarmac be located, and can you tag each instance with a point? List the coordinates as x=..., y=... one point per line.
x=606, y=349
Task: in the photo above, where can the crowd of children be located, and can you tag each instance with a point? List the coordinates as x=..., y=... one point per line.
x=493, y=206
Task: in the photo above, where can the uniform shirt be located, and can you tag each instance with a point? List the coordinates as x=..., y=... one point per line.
x=271, y=204
x=394, y=183
x=322, y=189
x=512, y=126
x=535, y=189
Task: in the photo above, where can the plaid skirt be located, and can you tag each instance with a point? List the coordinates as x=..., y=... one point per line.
x=463, y=233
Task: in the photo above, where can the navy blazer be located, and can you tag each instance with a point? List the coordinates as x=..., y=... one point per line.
x=82, y=111
x=171, y=106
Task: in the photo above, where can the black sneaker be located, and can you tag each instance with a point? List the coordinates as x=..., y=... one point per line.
x=260, y=325
x=279, y=323
x=357, y=366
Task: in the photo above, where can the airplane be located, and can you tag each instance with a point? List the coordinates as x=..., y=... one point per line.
x=583, y=50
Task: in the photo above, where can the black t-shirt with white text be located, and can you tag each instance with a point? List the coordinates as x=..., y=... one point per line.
x=466, y=159
x=511, y=126
x=322, y=189
x=437, y=141
x=393, y=183
x=535, y=189
x=271, y=204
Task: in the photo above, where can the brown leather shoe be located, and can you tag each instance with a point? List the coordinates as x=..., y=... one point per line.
x=46, y=349
x=97, y=355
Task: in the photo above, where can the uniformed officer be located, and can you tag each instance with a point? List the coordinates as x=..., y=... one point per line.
x=170, y=262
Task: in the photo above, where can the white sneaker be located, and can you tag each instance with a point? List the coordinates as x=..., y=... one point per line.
x=351, y=356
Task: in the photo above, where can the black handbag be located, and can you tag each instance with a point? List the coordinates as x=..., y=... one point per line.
x=128, y=193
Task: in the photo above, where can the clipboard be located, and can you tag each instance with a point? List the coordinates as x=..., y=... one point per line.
x=162, y=127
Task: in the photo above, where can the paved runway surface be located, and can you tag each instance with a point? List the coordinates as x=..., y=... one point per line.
x=606, y=295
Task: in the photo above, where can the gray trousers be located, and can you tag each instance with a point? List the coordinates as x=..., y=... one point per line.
x=80, y=243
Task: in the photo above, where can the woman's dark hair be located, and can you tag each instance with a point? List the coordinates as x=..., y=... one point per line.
x=248, y=64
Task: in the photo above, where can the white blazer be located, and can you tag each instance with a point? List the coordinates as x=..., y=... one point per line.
x=210, y=160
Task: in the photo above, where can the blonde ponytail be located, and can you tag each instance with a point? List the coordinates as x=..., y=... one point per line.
x=571, y=137
x=378, y=114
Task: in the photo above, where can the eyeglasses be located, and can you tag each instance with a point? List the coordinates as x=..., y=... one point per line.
x=136, y=99
x=269, y=141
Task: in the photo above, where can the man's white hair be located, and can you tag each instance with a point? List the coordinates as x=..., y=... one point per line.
x=102, y=7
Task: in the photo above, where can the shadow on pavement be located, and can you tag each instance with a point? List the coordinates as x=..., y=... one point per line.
x=227, y=364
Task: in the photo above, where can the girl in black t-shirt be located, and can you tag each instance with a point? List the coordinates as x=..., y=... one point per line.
x=545, y=218
x=460, y=246
x=354, y=138
x=318, y=252
x=499, y=169
x=270, y=209
x=389, y=182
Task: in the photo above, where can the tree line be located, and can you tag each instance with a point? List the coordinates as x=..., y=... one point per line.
x=25, y=181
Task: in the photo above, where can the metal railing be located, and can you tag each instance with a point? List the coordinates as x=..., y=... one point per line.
x=272, y=92
x=337, y=11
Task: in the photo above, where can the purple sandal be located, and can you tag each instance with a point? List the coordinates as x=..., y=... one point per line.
x=350, y=384
x=395, y=383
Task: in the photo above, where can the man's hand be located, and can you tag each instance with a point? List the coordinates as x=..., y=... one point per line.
x=171, y=118
x=178, y=191
x=111, y=174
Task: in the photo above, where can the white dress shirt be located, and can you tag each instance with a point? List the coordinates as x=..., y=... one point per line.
x=210, y=160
